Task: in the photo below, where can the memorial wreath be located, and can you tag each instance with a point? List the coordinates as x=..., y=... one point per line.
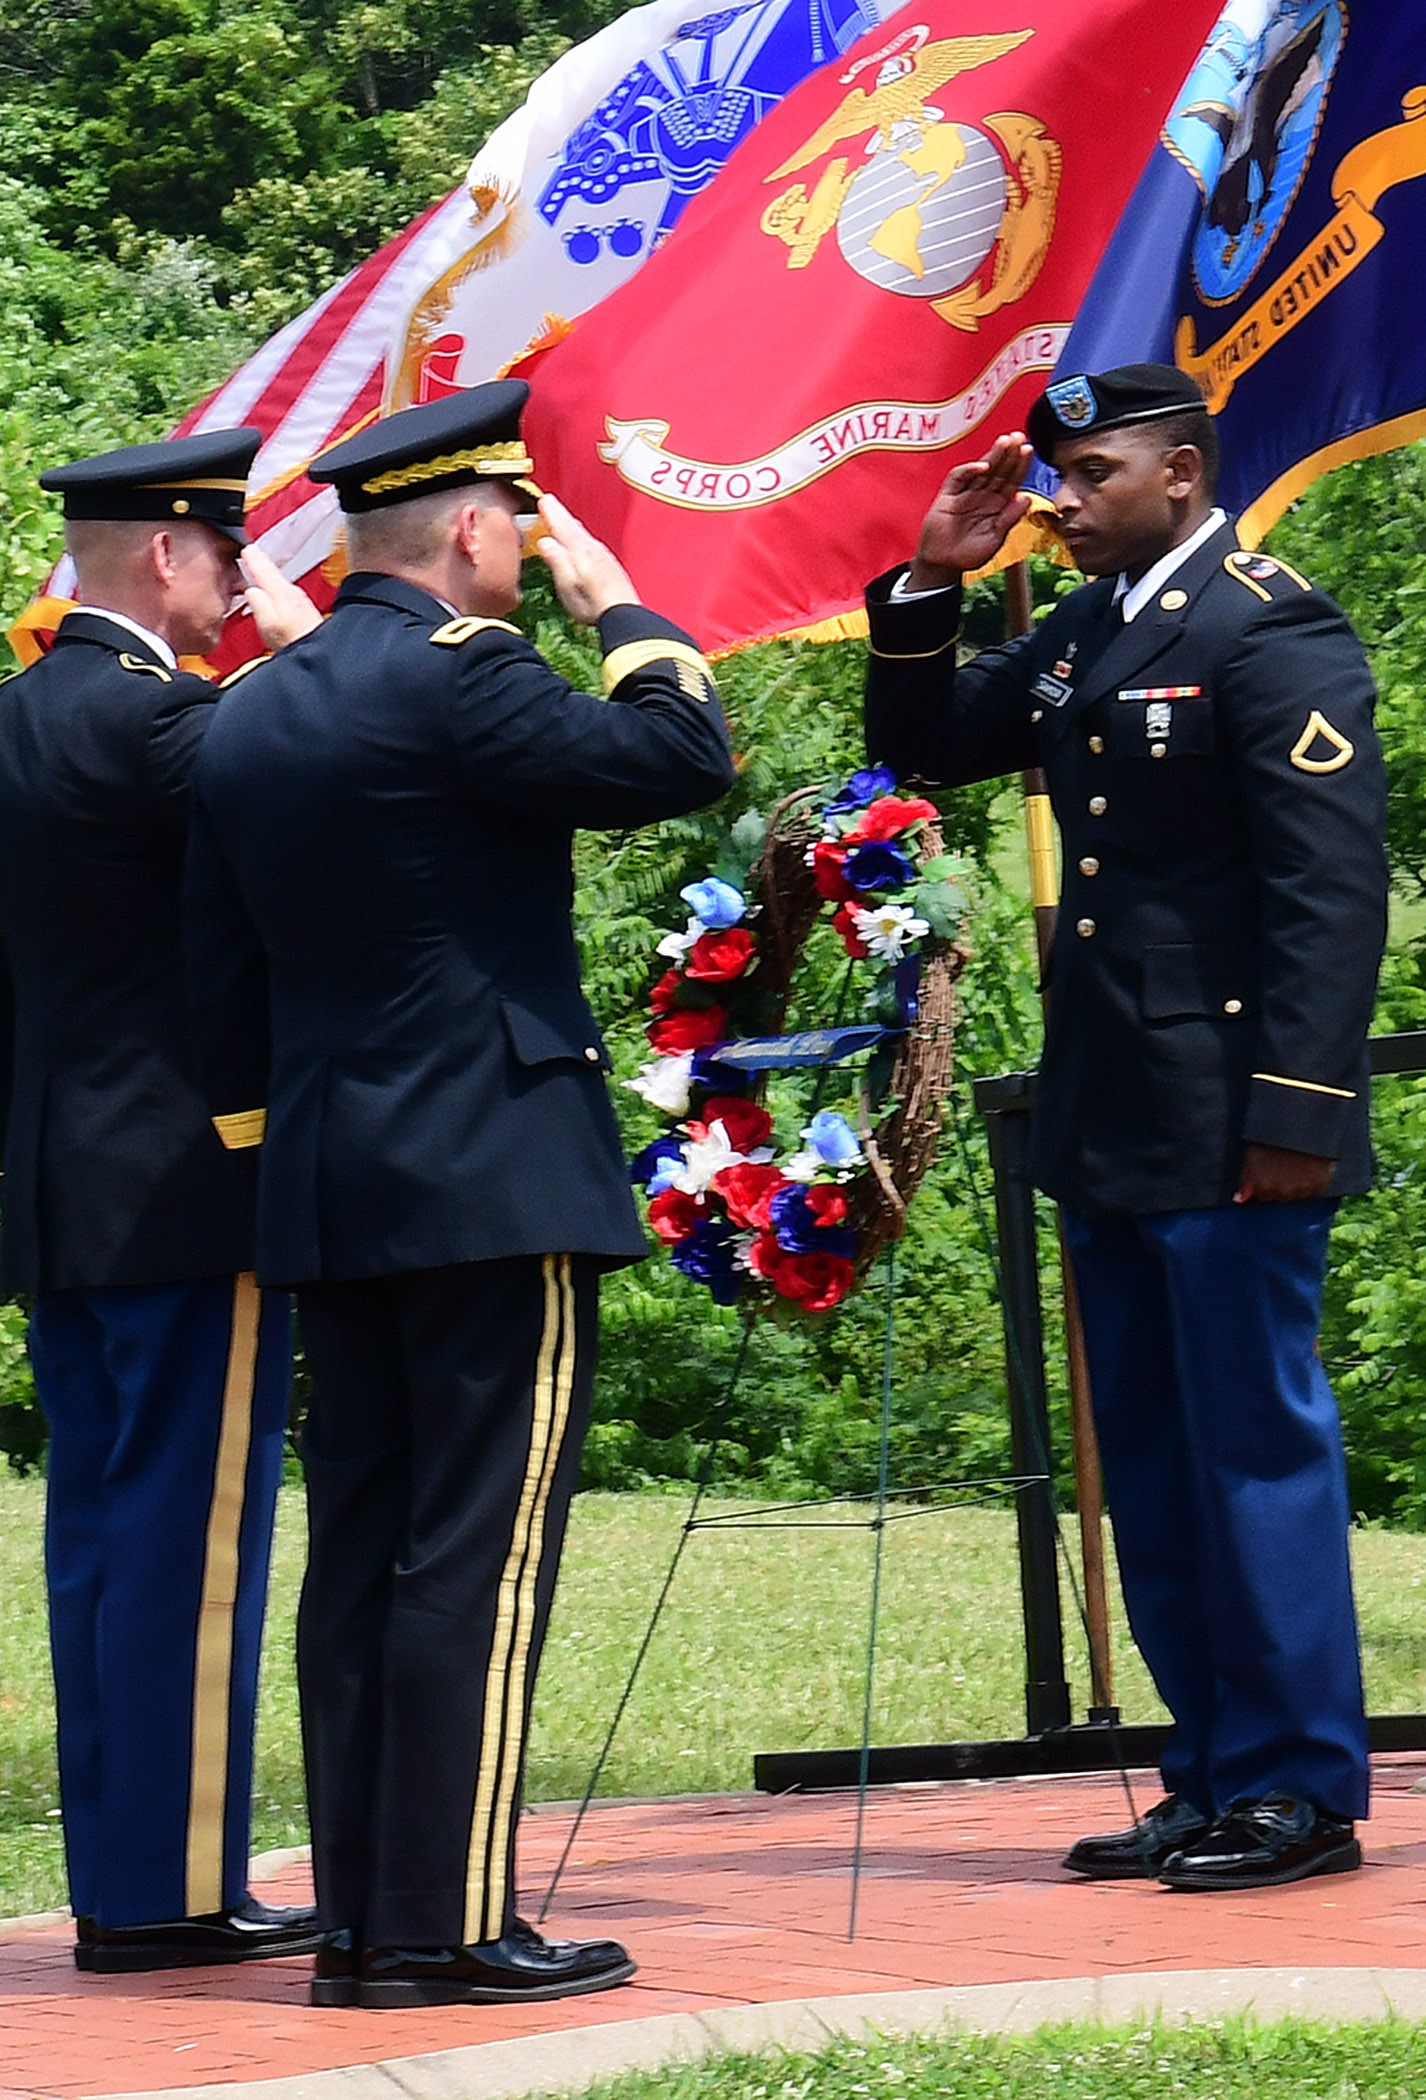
x=754, y=1221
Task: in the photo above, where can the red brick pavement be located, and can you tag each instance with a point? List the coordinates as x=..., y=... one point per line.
x=741, y=1900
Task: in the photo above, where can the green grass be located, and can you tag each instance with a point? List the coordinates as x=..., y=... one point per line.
x=1230, y=2060
x=761, y=1647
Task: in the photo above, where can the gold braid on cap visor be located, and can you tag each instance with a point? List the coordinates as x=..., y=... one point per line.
x=487, y=459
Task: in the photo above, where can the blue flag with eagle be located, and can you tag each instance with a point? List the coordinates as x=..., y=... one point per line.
x=1272, y=247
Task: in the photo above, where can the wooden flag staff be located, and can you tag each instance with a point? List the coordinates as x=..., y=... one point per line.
x=1089, y=1486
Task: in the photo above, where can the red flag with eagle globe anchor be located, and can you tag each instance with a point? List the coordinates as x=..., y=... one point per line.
x=878, y=283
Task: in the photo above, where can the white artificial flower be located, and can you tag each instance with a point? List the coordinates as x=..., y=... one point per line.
x=803, y=1166
x=665, y=1084
x=676, y=945
x=703, y=1158
x=889, y=929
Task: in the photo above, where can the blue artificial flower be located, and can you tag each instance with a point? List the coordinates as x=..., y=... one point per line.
x=648, y=1166
x=833, y=1139
x=715, y=902
x=862, y=788
x=878, y=866
x=707, y=1257
x=800, y=1231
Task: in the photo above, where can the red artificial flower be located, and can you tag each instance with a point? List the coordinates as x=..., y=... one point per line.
x=721, y=954
x=816, y=1282
x=827, y=1205
x=664, y=993
x=766, y=1256
x=888, y=818
x=746, y=1123
x=846, y=926
x=828, y=856
x=674, y=1215
x=688, y=1028
x=748, y=1191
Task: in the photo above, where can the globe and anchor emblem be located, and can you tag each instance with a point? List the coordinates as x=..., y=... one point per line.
x=959, y=215
x=924, y=234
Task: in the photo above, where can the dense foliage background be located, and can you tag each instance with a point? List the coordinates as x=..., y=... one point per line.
x=179, y=177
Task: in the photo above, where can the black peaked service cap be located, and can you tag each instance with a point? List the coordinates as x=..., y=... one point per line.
x=204, y=478
x=470, y=436
x=1093, y=401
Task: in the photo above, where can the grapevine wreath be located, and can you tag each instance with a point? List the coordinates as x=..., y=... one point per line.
x=793, y=1231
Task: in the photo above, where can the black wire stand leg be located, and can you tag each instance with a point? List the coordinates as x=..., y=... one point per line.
x=705, y=1472
x=878, y=1531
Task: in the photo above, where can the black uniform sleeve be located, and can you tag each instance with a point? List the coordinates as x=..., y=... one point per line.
x=1298, y=699
x=174, y=741
x=227, y=983
x=658, y=746
x=7, y=1044
x=926, y=717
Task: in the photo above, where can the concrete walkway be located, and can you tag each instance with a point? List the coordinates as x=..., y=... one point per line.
x=737, y=1908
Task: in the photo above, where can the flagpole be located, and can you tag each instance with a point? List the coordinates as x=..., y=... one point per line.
x=1089, y=1486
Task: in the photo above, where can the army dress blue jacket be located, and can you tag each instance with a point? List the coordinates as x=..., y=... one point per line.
x=1219, y=790
x=381, y=889
x=113, y=1172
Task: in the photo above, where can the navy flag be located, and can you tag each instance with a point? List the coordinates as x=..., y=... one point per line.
x=1272, y=247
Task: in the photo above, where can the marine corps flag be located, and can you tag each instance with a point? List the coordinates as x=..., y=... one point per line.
x=880, y=280
x=1273, y=248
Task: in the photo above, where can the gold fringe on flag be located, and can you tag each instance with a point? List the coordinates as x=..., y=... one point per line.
x=33, y=631
x=553, y=329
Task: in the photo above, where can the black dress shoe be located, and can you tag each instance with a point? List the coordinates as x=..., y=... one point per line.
x=334, y=1978
x=251, y=1931
x=496, y=1972
x=1138, y=1854
x=1259, y=1844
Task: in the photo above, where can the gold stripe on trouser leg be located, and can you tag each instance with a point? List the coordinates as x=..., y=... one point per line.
x=213, y=1665
x=503, y=1722
x=518, y=1700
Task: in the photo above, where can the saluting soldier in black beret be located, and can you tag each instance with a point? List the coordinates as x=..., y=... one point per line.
x=382, y=892
x=1205, y=720
x=163, y=1374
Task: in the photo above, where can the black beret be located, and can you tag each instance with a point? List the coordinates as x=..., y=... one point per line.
x=473, y=435
x=203, y=477
x=1091, y=401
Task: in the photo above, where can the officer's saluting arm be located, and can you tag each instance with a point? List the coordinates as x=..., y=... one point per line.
x=282, y=612
x=657, y=746
x=1297, y=700
x=923, y=715
x=927, y=717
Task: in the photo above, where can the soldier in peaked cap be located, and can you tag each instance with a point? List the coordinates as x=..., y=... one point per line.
x=383, y=842
x=1204, y=717
x=161, y=1371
